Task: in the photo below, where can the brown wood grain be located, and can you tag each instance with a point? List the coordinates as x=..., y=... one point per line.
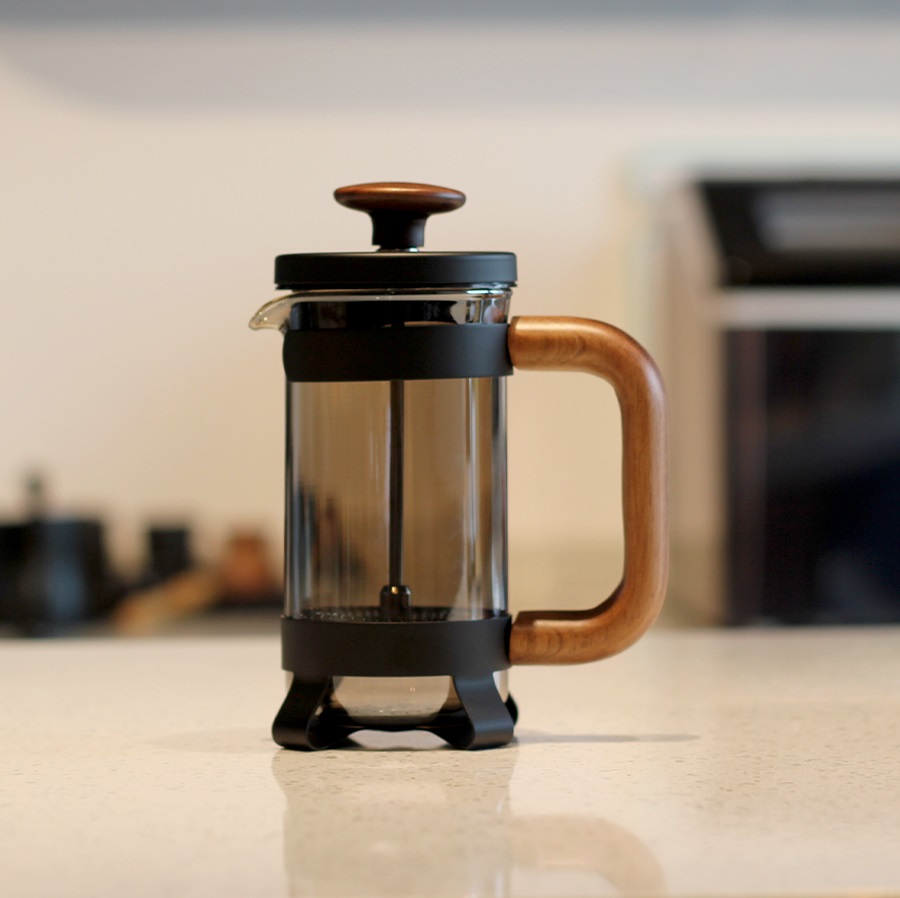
x=580, y=344
x=399, y=196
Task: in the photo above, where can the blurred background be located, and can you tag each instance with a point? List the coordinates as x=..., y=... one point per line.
x=157, y=156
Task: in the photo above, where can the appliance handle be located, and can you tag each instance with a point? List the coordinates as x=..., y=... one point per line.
x=581, y=344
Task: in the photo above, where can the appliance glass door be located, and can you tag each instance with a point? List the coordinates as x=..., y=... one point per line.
x=814, y=475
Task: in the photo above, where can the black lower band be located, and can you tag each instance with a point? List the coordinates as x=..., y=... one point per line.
x=314, y=649
x=410, y=352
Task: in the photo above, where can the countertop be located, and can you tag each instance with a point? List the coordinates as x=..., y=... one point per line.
x=751, y=762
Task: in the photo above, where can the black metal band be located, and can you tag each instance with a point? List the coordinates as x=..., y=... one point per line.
x=313, y=649
x=412, y=352
x=393, y=269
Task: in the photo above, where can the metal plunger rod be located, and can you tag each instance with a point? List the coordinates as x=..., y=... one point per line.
x=395, y=576
x=394, y=599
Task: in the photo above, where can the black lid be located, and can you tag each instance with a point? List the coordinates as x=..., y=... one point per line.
x=398, y=212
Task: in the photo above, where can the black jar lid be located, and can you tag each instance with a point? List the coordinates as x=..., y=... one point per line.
x=398, y=211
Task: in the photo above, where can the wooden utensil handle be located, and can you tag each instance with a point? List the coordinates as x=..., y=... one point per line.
x=580, y=344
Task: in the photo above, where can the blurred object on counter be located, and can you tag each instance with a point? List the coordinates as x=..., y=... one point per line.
x=12, y=549
x=150, y=609
x=169, y=552
x=54, y=572
x=248, y=576
x=170, y=587
x=55, y=575
x=35, y=496
x=243, y=579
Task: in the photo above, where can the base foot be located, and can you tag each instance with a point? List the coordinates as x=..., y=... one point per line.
x=307, y=720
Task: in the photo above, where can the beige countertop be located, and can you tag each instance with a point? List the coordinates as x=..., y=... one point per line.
x=756, y=762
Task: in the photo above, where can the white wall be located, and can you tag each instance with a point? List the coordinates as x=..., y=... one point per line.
x=153, y=167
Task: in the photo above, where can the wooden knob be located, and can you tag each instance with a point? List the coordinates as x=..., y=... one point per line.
x=398, y=209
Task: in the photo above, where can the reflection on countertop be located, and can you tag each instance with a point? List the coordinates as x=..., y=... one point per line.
x=441, y=825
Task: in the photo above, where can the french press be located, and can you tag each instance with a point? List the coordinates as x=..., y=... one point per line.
x=395, y=613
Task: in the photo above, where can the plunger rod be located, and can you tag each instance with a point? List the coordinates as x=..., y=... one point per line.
x=394, y=598
x=398, y=412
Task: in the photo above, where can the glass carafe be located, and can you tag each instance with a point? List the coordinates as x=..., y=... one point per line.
x=395, y=490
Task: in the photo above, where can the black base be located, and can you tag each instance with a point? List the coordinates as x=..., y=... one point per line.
x=307, y=719
x=468, y=652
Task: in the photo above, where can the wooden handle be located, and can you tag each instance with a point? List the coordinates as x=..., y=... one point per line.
x=579, y=344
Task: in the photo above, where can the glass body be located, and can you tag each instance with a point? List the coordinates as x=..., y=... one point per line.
x=339, y=500
x=395, y=493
